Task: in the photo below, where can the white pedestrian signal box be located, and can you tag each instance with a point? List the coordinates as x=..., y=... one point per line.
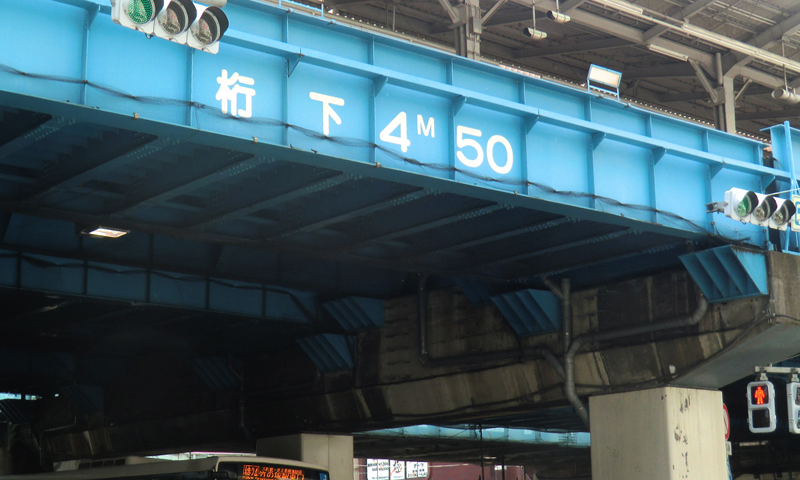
x=761, y=406
x=793, y=402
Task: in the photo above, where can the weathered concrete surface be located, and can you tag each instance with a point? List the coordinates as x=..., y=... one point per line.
x=663, y=433
x=772, y=335
x=391, y=386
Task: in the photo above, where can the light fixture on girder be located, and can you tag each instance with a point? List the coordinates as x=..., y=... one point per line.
x=603, y=79
x=103, y=232
x=556, y=15
x=180, y=21
x=667, y=52
x=532, y=32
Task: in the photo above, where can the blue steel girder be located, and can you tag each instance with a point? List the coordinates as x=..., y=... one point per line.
x=482, y=132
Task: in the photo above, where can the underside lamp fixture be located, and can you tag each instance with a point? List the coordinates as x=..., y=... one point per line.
x=104, y=232
x=786, y=95
x=667, y=52
x=532, y=32
x=603, y=79
x=556, y=15
x=621, y=6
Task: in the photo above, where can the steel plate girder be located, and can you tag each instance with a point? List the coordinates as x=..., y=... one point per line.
x=459, y=108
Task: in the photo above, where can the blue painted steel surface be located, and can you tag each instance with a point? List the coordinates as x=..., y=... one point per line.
x=530, y=312
x=67, y=275
x=355, y=314
x=727, y=273
x=785, y=142
x=494, y=434
x=329, y=352
x=350, y=100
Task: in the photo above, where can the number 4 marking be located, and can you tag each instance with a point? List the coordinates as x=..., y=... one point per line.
x=399, y=121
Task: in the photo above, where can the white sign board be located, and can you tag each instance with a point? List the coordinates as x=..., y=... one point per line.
x=372, y=469
x=417, y=470
x=795, y=223
x=398, y=470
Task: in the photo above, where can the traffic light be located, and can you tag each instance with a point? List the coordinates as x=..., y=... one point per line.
x=764, y=210
x=793, y=402
x=761, y=406
x=180, y=21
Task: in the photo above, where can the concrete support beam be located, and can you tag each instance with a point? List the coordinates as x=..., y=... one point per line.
x=334, y=452
x=659, y=434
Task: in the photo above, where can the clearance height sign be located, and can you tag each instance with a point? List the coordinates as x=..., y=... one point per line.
x=381, y=469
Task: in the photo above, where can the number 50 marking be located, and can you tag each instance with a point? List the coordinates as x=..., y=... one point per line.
x=462, y=142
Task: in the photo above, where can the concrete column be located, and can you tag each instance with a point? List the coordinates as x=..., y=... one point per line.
x=334, y=452
x=666, y=433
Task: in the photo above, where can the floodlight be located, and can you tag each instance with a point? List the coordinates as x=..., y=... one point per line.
x=206, y=32
x=557, y=17
x=607, y=79
x=786, y=96
x=534, y=34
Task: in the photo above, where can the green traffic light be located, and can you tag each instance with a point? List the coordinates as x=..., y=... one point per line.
x=744, y=208
x=140, y=11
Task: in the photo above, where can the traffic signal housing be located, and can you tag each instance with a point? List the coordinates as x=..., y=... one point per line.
x=759, y=209
x=180, y=21
x=761, y=406
x=793, y=404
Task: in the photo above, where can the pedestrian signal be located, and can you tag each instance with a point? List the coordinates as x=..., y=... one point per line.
x=761, y=406
x=793, y=402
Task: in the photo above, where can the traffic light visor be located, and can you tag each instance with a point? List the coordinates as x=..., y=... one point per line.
x=177, y=17
x=209, y=28
x=783, y=214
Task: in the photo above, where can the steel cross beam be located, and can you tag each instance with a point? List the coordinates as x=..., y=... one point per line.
x=685, y=13
x=423, y=227
x=73, y=180
x=249, y=208
x=40, y=132
x=368, y=210
x=494, y=238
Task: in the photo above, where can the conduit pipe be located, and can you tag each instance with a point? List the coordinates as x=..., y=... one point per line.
x=563, y=294
x=422, y=317
x=569, y=366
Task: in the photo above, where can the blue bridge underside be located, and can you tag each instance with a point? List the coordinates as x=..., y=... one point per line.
x=315, y=147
